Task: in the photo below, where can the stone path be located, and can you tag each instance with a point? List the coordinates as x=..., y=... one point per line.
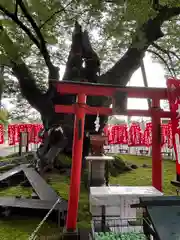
x=6, y=150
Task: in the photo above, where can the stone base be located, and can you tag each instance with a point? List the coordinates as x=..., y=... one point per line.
x=98, y=172
x=97, y=169
x=70, y=236
x=81, y=234
x=97, y=182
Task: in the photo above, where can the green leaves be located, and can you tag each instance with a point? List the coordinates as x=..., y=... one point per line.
x=111, y=25
x=139, y=11
x=9, y=5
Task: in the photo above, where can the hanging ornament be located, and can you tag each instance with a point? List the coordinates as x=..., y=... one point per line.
x=97, y=123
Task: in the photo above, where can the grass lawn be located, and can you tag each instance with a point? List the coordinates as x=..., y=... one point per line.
x=142, y=176
x=22, y=228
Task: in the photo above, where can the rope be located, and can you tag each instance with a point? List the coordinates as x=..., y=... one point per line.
x=33, y=235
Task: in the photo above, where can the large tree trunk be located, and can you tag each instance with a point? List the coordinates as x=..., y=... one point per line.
x=81, y=50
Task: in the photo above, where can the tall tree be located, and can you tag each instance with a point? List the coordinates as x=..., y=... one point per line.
x=35, y=34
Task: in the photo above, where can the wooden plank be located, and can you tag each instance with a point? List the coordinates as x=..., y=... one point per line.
x=31, y=203
x=33, y=208
x=161, y=201
x=42, y=189
x=11, y=172
x=92, y=89
x=158, y=201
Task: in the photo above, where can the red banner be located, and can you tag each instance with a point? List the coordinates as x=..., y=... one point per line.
x=115, y=134
x=170, y=136
x=164, y=134
x=110, y=136
x=122, y=134
x=1, y=134
x=11, y=134
x=173, y=86
x=135, y=135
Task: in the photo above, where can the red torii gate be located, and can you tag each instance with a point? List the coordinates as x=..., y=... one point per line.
x=80, y=109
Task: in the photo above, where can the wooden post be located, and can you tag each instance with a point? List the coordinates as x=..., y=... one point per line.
x=23, y=142
x=76, y=164
x=156, y=146
x=20, y=144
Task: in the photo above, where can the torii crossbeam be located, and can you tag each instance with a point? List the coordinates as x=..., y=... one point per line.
x=80, y=109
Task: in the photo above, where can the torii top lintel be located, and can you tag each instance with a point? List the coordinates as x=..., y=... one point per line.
x=92, y=89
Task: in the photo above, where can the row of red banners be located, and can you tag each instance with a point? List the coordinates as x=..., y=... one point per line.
x=134, y=136
x=32, y=129
x=14, y=133
x=118, y=134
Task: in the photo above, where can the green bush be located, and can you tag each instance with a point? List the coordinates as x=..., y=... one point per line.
x=118, y=166
x=119, y=236
x=63, y=161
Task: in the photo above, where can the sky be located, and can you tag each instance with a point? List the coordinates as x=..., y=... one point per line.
x=155, y=77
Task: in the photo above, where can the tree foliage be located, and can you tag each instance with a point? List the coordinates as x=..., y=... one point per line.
x=35, y=39
x=4, y=116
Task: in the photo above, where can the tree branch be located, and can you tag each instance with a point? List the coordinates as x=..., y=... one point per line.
x=30, y=91
x=16, y=8
x=27, y=82
x=156, y=5
x=145, y=35
x=164, y=51
x=171, y=71
x=168, y=52
x=53, y=71
x=20, y=24
x=55, y=13
x=50, y=18
x=1, y=83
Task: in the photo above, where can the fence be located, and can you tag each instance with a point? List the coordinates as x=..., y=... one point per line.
x=116, y=228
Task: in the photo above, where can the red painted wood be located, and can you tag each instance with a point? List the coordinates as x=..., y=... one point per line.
x=75, y=183
x=108, y=111
x=80, y=109
x=99, y=90
x=156, y=146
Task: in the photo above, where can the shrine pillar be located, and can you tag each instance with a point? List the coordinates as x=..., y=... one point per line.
x=75, y=183
x=156, y=145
